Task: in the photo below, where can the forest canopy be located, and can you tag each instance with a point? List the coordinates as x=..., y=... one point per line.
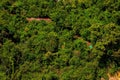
x=65, y=40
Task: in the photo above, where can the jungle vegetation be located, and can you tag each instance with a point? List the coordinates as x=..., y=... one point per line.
x=60, y=49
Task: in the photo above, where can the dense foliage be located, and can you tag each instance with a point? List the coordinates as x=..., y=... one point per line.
x=59, y=50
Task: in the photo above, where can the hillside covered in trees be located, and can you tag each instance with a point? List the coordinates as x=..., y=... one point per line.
x=59, y=39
